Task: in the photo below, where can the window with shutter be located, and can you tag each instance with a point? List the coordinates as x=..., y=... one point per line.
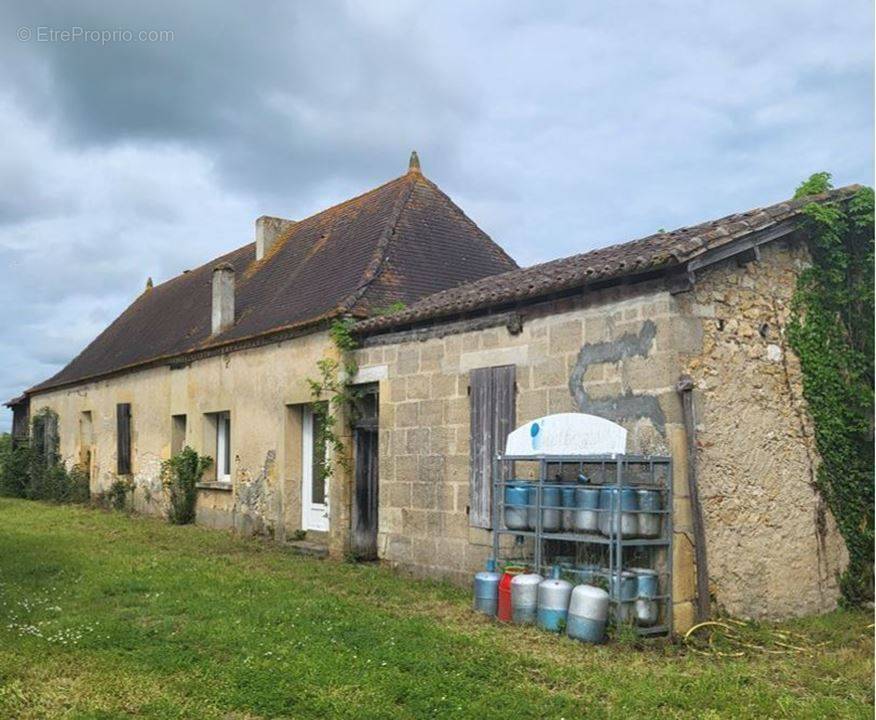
x=123, y=439
x=492, y=393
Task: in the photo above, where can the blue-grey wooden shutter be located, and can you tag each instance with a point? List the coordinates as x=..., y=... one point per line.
x=492, y=403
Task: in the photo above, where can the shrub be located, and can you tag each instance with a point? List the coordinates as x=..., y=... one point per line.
x=15, y=466
x=118, y=494
x=25, y=473
x=180, y=475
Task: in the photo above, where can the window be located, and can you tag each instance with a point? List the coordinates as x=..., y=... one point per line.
x=223, y=447
x=492, y=408
x=177, y=433
x=123, y=438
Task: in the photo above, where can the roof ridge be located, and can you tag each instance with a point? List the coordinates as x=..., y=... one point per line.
x=381, y=249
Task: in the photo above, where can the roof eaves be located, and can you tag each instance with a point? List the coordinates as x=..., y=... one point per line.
x=770, y=222
x=196, y=353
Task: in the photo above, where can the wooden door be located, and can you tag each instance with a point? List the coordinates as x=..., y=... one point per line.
x=366, y=475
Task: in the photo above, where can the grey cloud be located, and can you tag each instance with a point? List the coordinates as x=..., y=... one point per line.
x=558, y=127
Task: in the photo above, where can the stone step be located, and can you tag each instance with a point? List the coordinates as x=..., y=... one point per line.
x=308, y=547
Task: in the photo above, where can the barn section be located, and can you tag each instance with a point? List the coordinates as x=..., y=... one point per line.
x=619, y=333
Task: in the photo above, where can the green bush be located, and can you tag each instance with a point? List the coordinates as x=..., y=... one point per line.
x=118, y=494
x=180, y=475
x=14, y=468
x=33, y=470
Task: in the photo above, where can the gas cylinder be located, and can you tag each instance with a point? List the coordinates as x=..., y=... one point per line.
x=553, y=602
x=649, y=522
x=551, y=514
x=568, y=495
x=629, y=517
x=586, y=512
x=486, y=589
x=524, y=598
x=607, y=509
x=647, y=612
x=516, y=497
x=588, y=612
x=646, y=582
x=613, y=501
x=627, y=589
x=503, y=608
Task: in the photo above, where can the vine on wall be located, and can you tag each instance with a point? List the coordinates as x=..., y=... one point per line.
x=333, y=393
x=831, y=330
x=334, y=396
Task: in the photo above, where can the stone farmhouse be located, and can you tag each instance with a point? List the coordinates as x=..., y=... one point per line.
x=219, y=358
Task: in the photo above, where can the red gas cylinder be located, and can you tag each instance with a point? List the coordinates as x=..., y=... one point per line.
x=503, y=612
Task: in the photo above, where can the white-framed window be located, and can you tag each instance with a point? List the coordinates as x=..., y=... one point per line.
x=223, y=447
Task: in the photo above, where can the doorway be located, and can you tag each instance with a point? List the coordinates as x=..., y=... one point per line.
x=366, y=449
x=314, y=479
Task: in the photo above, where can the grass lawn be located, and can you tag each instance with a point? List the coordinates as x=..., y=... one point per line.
x=105, y=616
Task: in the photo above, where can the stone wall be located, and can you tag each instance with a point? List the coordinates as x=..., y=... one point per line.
x=611, y=353
x=263, y=388
x=773, y=547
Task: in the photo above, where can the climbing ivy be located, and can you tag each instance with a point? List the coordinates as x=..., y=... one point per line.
x=333, y=395
x=831, y=330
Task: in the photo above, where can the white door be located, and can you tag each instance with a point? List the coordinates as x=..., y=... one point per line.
x=314, y=485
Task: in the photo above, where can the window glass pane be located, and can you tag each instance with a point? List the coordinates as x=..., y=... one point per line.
x=317, y=496
x=226, y=424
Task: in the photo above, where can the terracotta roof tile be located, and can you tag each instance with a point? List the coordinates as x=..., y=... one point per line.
x=399, y=242
x=654, y=252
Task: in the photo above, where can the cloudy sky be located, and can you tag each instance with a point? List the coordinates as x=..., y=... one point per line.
x=558, y=127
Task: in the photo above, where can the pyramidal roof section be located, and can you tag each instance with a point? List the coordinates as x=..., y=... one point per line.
x=399, y=242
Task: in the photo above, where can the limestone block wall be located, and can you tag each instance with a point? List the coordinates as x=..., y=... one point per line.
x=612, y=353
x=773, y=547
x=263, y=388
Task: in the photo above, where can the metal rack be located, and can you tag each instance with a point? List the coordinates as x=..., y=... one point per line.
x=612, y=471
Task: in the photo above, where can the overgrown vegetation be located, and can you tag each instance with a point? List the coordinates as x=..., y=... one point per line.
x=831, y=330
x=32, y=469
x=104, y=616
x=180, y=476
x=334, y=397
x=117, y=495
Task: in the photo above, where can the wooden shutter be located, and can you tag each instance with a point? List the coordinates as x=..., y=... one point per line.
x=492, y=405
x=123, y=439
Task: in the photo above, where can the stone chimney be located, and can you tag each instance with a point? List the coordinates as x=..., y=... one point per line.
x=223, y=297
x=268, y=229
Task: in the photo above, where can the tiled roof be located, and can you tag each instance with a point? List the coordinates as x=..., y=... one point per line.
x=661, y=251
x=399, y=242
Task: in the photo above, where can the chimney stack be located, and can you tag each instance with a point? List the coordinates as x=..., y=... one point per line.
x=223, y=297
x=268, y=229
